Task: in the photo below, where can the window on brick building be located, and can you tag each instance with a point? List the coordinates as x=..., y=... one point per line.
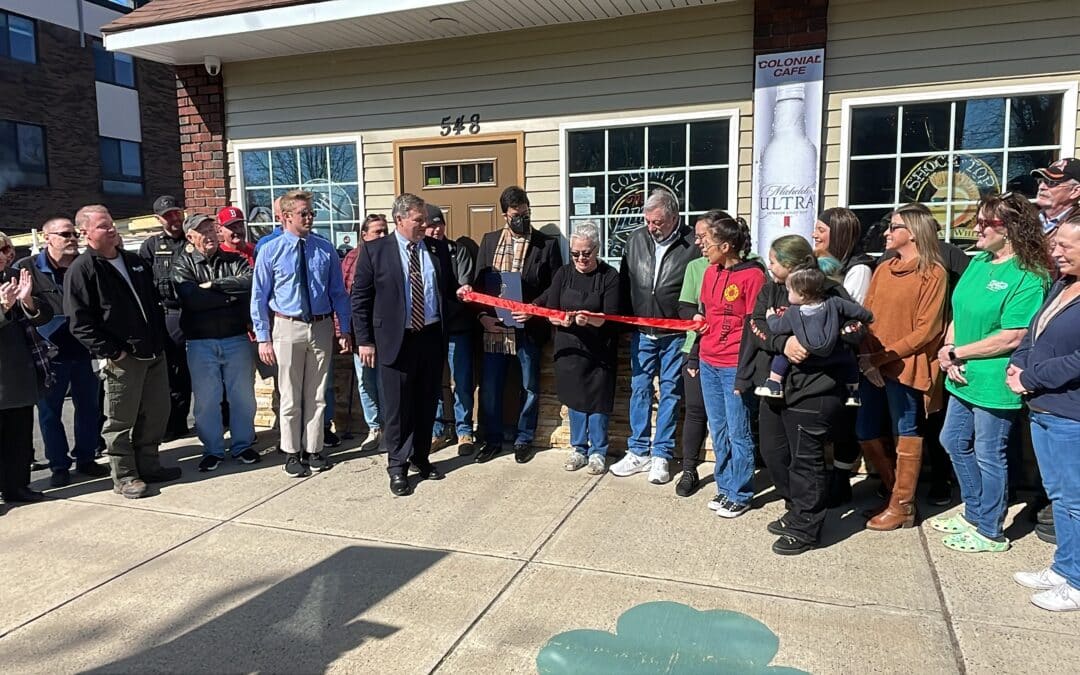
x=22, y=154
x=17, y=38
x=948, y=153
x=329, y=171
x=612, y=167
x=113, y=67
x=121, y=167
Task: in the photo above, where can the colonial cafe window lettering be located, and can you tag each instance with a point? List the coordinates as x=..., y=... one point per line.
x=947, y=154
x=612, y=169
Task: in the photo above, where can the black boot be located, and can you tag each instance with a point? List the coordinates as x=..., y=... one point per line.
x=839, y=488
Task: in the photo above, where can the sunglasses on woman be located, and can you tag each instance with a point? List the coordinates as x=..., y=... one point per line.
x=581, y=254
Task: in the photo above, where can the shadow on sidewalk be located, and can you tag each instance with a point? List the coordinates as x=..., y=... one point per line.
x=299, y=625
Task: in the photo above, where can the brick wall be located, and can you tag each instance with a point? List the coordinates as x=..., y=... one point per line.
x=200, y=105
x=58, y=93
x=789, y=25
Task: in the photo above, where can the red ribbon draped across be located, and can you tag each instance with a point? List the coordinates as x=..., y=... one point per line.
x=645, y=322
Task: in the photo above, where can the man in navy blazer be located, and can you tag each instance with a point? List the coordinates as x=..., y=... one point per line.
x=400, y=292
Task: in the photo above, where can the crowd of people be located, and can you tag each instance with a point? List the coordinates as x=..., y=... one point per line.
x=923, y=352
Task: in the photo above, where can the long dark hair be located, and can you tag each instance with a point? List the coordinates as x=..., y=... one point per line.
x=845, y=232
x=1020, y=219
x=725, y=229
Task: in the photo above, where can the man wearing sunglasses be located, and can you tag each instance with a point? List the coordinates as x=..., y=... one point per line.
x=1058, y=196
x=72, y=365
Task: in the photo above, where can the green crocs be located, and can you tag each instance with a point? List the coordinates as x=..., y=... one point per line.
x=954, y=524
x=973, y=542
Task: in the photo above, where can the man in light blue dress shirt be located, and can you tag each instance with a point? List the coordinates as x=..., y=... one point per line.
x=297, y=292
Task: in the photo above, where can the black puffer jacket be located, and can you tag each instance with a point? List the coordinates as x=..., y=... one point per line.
x=636, y=289
x=103, y=313
x=217, y=312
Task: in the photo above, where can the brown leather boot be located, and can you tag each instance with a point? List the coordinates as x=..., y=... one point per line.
x=878, y=454
x=901, y=509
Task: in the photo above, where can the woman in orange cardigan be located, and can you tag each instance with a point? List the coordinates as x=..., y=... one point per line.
x=899, y=357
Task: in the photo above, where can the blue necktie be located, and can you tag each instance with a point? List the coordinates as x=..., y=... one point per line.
x=305, y=290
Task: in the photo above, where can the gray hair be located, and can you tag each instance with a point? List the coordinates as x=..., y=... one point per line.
x=5, y=240
x=404, y=203
x=663, y=200
x=83, y=214
x=587, y=231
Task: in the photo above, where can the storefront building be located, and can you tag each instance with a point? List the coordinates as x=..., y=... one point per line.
x=592, y=104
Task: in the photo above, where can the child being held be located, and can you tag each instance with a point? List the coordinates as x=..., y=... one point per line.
x=817, y=322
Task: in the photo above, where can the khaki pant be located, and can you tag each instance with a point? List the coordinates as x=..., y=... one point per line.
x=303, y=352
x=137, y=412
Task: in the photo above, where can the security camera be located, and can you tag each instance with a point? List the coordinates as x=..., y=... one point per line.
x=213, y=65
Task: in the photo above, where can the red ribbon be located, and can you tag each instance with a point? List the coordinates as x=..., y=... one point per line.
x=646, y=322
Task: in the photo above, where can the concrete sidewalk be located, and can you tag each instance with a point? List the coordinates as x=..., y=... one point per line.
x=247, y=570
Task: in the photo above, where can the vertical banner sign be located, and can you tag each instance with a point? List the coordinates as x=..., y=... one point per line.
x=787, y=140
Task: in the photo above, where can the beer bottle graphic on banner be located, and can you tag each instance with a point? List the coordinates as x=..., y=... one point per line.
x=788, y=171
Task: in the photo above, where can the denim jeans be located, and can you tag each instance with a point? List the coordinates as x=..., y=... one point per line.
x=898, y=403
x=492, y=383
x=367, y=382
x=459, y=354
x=223, y=366
x=655, y=357
x=589, y=432
x=975, y=439
x=729, y=423
x=1056, y=440
x=85, y=389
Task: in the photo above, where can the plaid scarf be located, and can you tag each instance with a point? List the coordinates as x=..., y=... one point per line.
x=42, y=352
x=509, y=257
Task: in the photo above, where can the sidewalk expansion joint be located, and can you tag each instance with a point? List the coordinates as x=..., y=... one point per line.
x=958, y=652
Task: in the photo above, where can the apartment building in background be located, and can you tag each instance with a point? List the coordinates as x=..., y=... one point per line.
x=79, y=124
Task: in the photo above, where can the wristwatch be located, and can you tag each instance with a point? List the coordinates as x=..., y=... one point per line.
x=952, y=355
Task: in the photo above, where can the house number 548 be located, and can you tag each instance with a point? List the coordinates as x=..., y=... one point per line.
x=457, y=126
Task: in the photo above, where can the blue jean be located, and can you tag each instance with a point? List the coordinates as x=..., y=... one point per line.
x=660, y=357
x=729, y=423
x=900, y=404
x=976, y=439
x=492, y=383
x=1055, y=440
x=367, y=383
x=224, y=366
x=85, y=390
x=459, y=354
x=589, y=432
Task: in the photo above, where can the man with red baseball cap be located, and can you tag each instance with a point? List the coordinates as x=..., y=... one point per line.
x=232, y=233
x=1058, y=196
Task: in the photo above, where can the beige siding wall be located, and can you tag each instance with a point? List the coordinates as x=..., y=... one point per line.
x=884, y=47
x=680, y=61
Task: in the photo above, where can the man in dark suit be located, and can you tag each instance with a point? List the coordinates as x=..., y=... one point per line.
x=400, y=293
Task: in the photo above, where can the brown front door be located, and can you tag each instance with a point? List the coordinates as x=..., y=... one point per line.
x=464, y=179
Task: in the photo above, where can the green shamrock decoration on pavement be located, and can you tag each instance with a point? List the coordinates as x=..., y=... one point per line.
x=666, y=638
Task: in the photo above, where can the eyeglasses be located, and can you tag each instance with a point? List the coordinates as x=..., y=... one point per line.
x=1054, y=183
x=305, y=213
x=5, y=249
x=582, y=254
x=893, y=227
x=989, y=222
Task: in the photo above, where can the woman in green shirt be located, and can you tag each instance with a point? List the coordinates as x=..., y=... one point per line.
x=992, y=306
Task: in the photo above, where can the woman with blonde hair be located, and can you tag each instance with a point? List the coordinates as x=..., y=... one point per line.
x=899, y=357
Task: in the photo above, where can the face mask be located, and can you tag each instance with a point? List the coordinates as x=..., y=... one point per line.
x=519, y=225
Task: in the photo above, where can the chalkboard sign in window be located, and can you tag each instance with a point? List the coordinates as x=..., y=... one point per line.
x=613, y=169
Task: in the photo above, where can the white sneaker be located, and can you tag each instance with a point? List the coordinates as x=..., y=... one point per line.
x=1043, y=580
x=597, y=465
x=574, y=461
x=630, y=464
x=658, y=472
x=373, y=440
x=1063, y=598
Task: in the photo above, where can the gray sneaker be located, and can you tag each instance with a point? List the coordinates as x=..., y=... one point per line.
x=574, y=461
x=597, y=465
x=130, y=488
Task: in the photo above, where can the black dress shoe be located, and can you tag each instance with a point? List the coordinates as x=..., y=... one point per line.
x=60, y=478
x=487, y=453
x=38, y=465
x=523, y=452
x=23, y=495
x=428, y=471
x=92, y=469
x=162, y=475
x=1046, y=533
x=399, y=485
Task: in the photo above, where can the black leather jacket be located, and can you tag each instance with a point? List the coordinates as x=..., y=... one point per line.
x=217, y=312
x=641, y=296
x=158, y=251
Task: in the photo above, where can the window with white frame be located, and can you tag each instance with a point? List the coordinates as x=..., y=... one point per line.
x=613, y=167
x=329, y=171
x=948, y=154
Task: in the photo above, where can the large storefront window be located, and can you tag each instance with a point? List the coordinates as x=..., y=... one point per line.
x=612, y=169
x=329, y=172
x=947, y=154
